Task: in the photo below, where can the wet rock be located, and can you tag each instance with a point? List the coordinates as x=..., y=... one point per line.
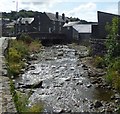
x=22, y=71
x=117, y=96
x=84, y=67
x=59, y=110
x=32, y=57
x=24, y=60
x=109, y=87
x=97, y=104
x=112, y=97
x=72, y=68
x=94, y=82
x=109, y=110
x=79, y=83
x=88, y=86
x=117, y=101
x=60, y=54
x=35, y=85
x=4, y=72
x=68, y=79
x=91, y=74
x=100, y=74
x=31, y=67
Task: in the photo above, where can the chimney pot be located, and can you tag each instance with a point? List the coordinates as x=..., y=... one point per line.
x=63, y=16
x=57, y=16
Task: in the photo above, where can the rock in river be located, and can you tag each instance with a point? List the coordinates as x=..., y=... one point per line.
x=97, y=104
x=35, y=85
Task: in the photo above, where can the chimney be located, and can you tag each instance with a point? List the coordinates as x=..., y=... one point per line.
x=63, y=16
x=57, y=16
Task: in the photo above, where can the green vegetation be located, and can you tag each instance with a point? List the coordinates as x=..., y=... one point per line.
x=13, y=15
x=112, y=43
x=21, y=101
x=17, y=51
x=113, y=54
x=99, y=62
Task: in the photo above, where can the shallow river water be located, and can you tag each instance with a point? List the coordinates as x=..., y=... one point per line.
x=66, y=86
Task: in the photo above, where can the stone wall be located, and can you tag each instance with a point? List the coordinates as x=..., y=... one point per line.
x=98, y=47
x=6, y=101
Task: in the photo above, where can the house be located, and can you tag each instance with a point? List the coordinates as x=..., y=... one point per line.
x=103, y=19
x=71, y=33
x=24, y=25
x=80, y=32
x=42, y=23
x=7, y=27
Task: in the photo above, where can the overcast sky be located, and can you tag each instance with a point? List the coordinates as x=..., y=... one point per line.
x=86, y=10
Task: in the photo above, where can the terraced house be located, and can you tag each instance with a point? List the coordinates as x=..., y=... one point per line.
x=42, y=23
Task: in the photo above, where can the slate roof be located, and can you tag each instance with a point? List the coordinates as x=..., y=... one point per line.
x=83, y=28
x=24, y=20
x=53, y=17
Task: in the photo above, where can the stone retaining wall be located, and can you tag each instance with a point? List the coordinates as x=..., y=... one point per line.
x=6, y=102
x=98, y=47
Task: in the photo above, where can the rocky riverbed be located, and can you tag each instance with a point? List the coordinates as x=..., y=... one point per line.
x=64, y=83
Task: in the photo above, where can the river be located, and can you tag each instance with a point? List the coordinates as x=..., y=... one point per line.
x=65, y=85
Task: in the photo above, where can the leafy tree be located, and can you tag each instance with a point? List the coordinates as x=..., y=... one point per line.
x=112, y=43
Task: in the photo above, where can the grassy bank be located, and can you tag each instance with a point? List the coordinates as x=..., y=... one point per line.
x=18, y=51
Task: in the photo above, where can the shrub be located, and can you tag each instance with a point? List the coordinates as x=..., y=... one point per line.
x=113, y=73
x=20, y=46
x=14, y=68
x=13, y=55
x=35, y=46
x=99, y=62
x=26, y=38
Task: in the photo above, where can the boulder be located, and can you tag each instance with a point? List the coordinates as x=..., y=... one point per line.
x=88, y=86
x=97, y=104
x=33, y=86
x=31, y=67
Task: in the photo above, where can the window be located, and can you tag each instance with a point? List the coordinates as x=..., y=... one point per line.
x=60, y=29
x=50, y=30
x=53, y=22
x=59, y=23
x=68, y=28
x=53, y=27
x=39, y=28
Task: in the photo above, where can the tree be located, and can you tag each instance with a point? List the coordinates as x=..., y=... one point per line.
x=112, y=43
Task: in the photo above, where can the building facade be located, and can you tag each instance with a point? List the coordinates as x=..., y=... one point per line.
x=103, y=19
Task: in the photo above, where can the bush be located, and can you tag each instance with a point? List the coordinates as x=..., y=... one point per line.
x=99, y=62
x=113, y=73
x=20, y=46
x=35, y=46
x=13, y=55
x=26, y=38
